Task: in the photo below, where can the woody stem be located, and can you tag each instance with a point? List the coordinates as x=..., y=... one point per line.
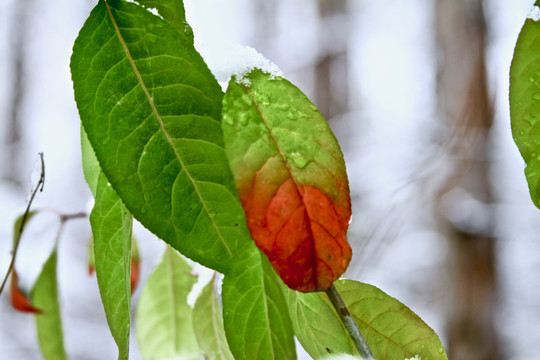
x=350, y=324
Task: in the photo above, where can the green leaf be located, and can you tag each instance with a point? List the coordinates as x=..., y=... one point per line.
x=391, y=329
x=291, y=178
x=152, y=109
x=256, y=321
x=164, y=319
x=112, y=231
x=316, y=325
x=208, y=325
x=44, y=295
x=525, y=102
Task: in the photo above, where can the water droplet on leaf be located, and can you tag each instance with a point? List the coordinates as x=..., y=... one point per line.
x=313, y=107
x=227, y=119
x=283, y=107
x=299, y=160
x=291, y=116
x=243, y=119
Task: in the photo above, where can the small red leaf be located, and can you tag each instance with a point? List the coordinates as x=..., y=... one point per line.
x=18, y=299
x=135, y=273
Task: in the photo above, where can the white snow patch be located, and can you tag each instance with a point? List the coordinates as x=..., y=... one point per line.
x=155, y=12
x=238, y=61
x=534, y=14
x=341, y=357
x=204, y=275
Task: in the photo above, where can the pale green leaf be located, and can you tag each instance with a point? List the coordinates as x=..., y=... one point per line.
x=525, y=102
x=152, y=109
x=163, y=321
x=44, y=296
x=256, y=321
x=391, y=329
x=112, y=231
x=208, y=325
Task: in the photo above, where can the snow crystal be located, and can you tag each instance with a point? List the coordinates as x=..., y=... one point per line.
x=534, y=14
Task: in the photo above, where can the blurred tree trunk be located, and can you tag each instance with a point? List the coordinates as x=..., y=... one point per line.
x=463, y=202
x=12, y=136
x=331, y=67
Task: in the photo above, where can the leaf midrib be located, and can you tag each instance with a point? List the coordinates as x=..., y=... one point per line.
x=162, y=126
x=289, y=170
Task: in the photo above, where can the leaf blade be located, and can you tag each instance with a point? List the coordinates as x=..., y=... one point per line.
x=316, y=325
x=151, y=109
x=49, y=323
x=163, y=318
x=524, y=102
x=256, y=321
x=208, y=325
x=112, y=237
x=391, y=329
x=291, y=178
x=18, y=300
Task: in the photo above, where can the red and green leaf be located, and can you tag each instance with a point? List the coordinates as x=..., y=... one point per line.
x=291, y=178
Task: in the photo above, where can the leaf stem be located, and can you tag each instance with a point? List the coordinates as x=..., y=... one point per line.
x=38, y=187
x=350, y=324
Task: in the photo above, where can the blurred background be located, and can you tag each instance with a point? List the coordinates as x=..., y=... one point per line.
x=416, y=92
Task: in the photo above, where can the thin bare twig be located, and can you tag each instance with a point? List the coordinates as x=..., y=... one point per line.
x=24, y=219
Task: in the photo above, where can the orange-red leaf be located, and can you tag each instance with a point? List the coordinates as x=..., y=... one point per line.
x=291, y=180
x=135, y=273
x=19, y=301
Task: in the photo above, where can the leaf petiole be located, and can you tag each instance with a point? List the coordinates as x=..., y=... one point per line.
x=351, y=326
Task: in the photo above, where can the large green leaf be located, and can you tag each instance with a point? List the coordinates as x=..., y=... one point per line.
x=316, y=324
x=208, y=325
x=164, y=319
x=391, y=329
x=291, y=179
x=152, y=109
x=256, y=321
x=525, y=102
x=49, y=323
x=112, y=231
